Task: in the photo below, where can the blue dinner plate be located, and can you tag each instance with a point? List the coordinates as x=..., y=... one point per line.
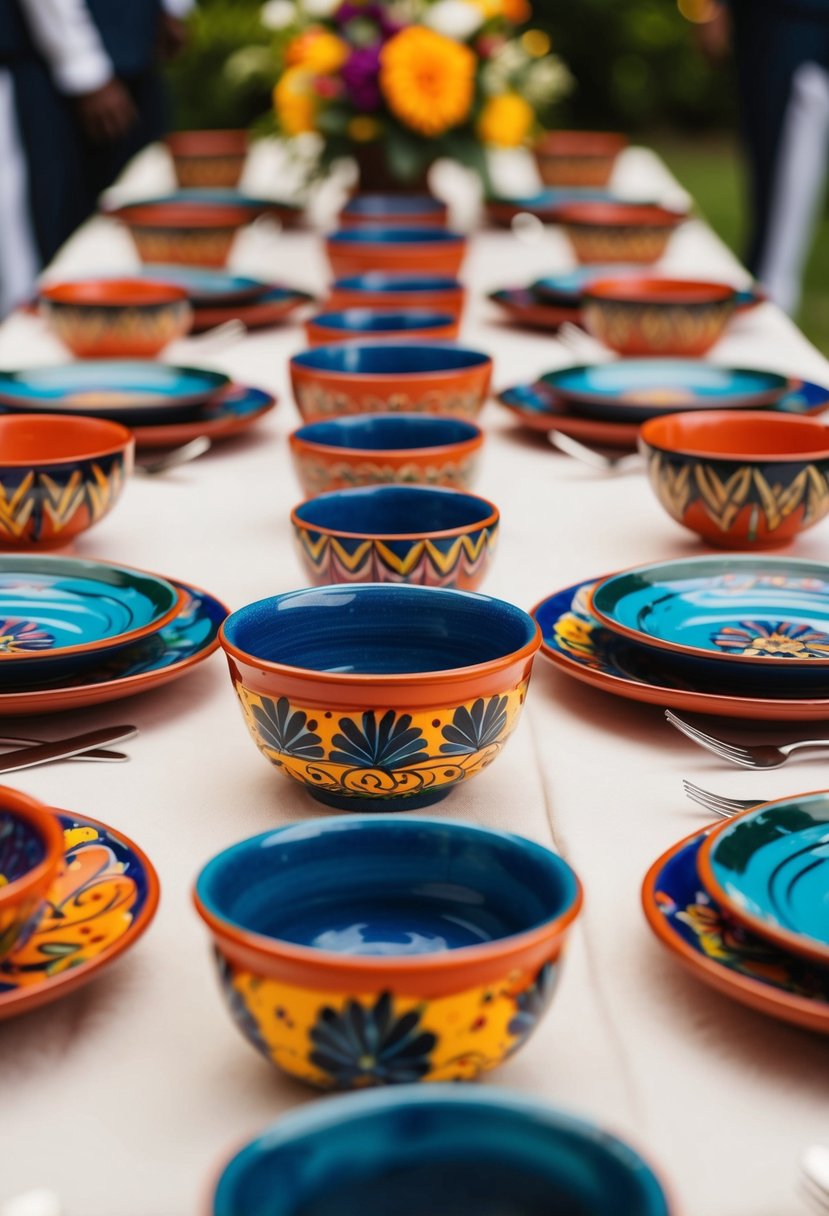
x=770, y=868
x=205, y=286
x=125, y=390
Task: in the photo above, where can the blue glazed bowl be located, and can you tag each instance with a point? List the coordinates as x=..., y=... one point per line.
x=426, y=250
x=354, y=323
x=439, y=1150
x=408, y=931
x=376, y=449
x=396, y=534
x=380, y=696
x=390, y=377
x=378, y=289
x=394, y=210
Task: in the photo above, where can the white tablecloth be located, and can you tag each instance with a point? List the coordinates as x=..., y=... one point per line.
x=126, y=1097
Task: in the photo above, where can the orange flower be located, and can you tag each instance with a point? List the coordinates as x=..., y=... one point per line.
x=295, y=102
x=428, y=80
x=518, y=12
x=505, y=120
x=318, y=51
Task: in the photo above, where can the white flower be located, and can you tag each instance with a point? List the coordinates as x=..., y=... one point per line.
x=277, y=14
x=248, y=62
x=454, y=19
x=547, y=81
x=320, y=8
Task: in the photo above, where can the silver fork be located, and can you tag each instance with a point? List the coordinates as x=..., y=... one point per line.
x=758, y=755
x=621, y=463
x=718, y=804
x=174, y=457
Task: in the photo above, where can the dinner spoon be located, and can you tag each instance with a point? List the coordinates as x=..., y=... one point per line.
x=173, y=457
x=624, y=462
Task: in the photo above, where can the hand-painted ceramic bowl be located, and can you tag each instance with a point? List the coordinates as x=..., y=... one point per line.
x=377, y=289
x=383, y=377
x=393, y=211
x=578, y=158
x=195, y=234
x=380, y=696
x=568, y=287
x=377, y=323
x=769, y=868
x=397, y=534
x=744, y=480
x=289, y=214
x=618, y=232
x=31, y=849
x=58, y=476
x=658, y=316
x=433, y=251
x=378, y=449
x=116, y=318
x=62, y=615
x=374, y=950
x=501, y=210
x=208, y=158
x=440, y=1149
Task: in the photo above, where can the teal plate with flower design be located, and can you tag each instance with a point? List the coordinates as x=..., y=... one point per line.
x=723, y=953
x=770, y=868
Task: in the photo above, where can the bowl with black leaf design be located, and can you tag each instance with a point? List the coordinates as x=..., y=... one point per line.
x=380, y=696
x=364, y=950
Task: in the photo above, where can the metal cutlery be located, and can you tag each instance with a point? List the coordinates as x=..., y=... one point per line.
x=96, y=753
x=219, y=337
x=63, y=749
x=814, y=1166
x=581, y=346
x=718, y=804
x=758, y=755
x=621, y=463
x=174, y=457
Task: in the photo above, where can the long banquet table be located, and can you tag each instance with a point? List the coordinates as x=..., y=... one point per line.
x=126, y=1096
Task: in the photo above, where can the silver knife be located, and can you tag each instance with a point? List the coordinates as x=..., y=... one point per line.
x=97, y=753
x=28, y=757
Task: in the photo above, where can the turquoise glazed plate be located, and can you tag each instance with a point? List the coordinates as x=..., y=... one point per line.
x=721, y=952
x=577, y=643
x=103, y=898
x=770, y=868
x=768, y=615
x=190, y=638
x=205, y=286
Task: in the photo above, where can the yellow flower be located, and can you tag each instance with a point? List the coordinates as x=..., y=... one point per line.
x=505, y=120
x=363, y=129
x=428, y=80
x=318, y=51
x=518, y=12
x=295, y=102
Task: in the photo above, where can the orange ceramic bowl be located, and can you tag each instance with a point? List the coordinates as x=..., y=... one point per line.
x=578, y=158
x=354, y=323
x=192, y=234
x=116, y=318
x=658, y=316
x=425, y=250
x=31, y=850
x=59, y=475
x=398, y=291
x=390, y=377
x=740, y=479
x=618, y=232
x=208, y=158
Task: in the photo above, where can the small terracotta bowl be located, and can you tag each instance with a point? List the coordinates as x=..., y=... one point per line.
x=658, y=316
x=378, y=449
x=396, y=534
x=393, y=211
x=618, y=232
x=433, y=251
x=377, y=289
x=59, y=476
x=740, y=479
x=380, y=696
x=31, y=850
x=383, y=377
x=208, y=158
x=114, y=318
x=437, y=1148
x=365, y=950
x=375, y=323
x=191, y=234
x=578, y=158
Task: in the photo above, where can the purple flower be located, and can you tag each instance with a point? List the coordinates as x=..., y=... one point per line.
x=359, y=74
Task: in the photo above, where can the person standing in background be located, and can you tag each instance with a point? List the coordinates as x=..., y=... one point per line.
x=80, y=94
x=781, y=54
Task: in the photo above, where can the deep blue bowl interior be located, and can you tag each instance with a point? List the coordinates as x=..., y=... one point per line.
x=439, y=1149
x=371, y=235
x=394, y=511
x=366, y=320
x=387, y=358
x=388, y=432
x=379, y=629
x=379, y=280
x=381, y=205
x=383, y=886
x=21, y=847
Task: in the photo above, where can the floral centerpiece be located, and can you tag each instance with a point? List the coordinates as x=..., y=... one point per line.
x=401, y=83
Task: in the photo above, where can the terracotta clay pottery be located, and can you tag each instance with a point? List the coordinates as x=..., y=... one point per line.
x=31, y=849
x=351, y=324
x=578, y=158
x=434, y=251
x=208, y=158
x=393, y=211
x=116, y=318
x=618, y=232
x=380, y=289
x=196, y=234
x=658, y=316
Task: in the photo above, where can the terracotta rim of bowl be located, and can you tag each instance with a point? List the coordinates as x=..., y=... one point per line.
x=298, y=442
x=487, y=521
x=649, y=434
x=192, y=145
x=580, y=144
x=113, y=293
x=120, y=438
x=618, y=215
x=184, y=215
x=44, y=822
x=657, y=291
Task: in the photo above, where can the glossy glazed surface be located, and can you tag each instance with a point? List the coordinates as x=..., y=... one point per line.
x=394, y=209
x=398, y=290
x=426, y=249
x=272, y=307
x=524, y=307
x=231, y=411
x=30, y=853
x=205, y=286
x=391, y=359
x=446, y=1151
x=355, y=323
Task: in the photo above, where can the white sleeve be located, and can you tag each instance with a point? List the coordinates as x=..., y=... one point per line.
x=178, y=8
x=68, y=39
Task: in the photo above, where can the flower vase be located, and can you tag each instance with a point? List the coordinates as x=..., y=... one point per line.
x=376, y=177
